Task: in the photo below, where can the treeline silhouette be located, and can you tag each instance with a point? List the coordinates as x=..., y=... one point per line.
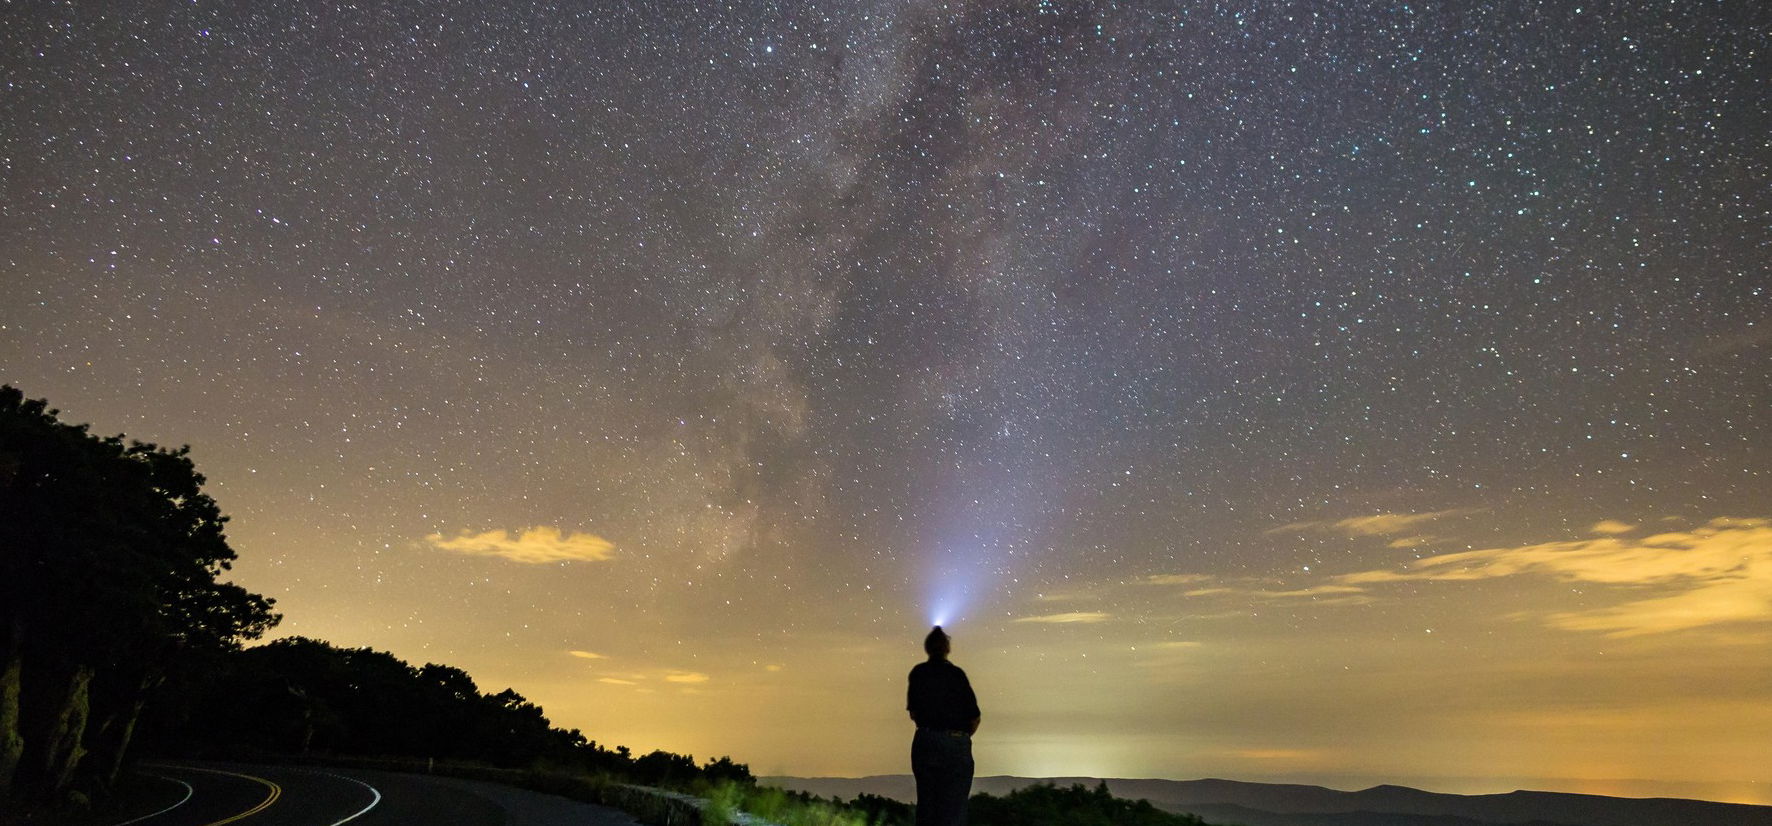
x=110, y=555
x=300, y=696
x=1037, y=805
x=1075, y=805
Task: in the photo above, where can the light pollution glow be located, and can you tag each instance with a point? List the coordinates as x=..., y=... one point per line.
x=1480, y=664
x=1342, y=394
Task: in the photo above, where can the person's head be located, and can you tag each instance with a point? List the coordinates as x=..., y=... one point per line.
x=936, y=644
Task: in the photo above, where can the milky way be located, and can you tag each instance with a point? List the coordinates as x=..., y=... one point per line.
x=1174, y=349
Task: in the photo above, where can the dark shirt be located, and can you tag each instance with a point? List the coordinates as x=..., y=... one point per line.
x=940, y=697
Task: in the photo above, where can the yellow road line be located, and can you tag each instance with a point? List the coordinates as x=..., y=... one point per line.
x=276, y=792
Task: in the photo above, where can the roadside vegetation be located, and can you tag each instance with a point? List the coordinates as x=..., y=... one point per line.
x=1075, y=805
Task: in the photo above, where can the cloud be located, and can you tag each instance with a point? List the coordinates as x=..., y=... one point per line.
x=586, y=655
x=668, y=675
x=534, y=546
x=1327, y=594
x=1611, y=527
x=1378, y=524
x=1167, y=655
x=1072, y=616
x=1288, y=755
x=1177, y=579
x=1714, y=603
x=1719, y=573
x=1732, y=342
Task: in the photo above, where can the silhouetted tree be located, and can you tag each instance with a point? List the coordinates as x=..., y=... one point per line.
x=297, y=695
x=1076, y=805
x=724, y=769
x=663, y=767
x=109, y=559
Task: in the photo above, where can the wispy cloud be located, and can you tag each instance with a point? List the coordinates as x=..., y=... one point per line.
x=534, y=546
x=1326, y=594
x=1378, y=524
x=1177, y=579
x=616, y=681
x=1287, y=755
x=1736, y=341
x=1166, y=656
x=1711, y=575
x=1611, y=527
x=685, y=677
x=586, y=655
x=1068, y=617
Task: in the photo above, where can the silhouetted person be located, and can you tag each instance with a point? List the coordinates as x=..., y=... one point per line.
x=945, y=710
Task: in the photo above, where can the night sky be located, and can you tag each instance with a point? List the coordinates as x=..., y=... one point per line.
x=1339, y=392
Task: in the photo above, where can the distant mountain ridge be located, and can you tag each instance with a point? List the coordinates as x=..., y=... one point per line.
x=1279, y=804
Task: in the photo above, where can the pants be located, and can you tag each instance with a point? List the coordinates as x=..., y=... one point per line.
x=942, y=763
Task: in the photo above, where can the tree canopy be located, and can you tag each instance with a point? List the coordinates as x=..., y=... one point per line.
x=1044, y=804
x=303, y=696
x=110, y=562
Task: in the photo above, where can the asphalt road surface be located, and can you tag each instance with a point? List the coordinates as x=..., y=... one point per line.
x=213, y=794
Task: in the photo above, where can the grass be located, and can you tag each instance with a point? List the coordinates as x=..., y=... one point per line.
x=728, y=803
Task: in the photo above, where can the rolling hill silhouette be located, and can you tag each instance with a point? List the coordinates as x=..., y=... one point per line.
x=1278, y=804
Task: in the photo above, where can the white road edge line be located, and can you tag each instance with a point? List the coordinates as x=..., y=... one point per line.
x=365, y=809
x=188, y=792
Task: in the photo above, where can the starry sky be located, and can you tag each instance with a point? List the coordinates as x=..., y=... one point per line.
x=1337, y=392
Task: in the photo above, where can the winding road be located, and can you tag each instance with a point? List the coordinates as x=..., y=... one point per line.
x=214, y=794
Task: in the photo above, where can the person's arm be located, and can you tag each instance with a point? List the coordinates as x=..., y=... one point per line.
x=971, y=698
x=910, y=699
